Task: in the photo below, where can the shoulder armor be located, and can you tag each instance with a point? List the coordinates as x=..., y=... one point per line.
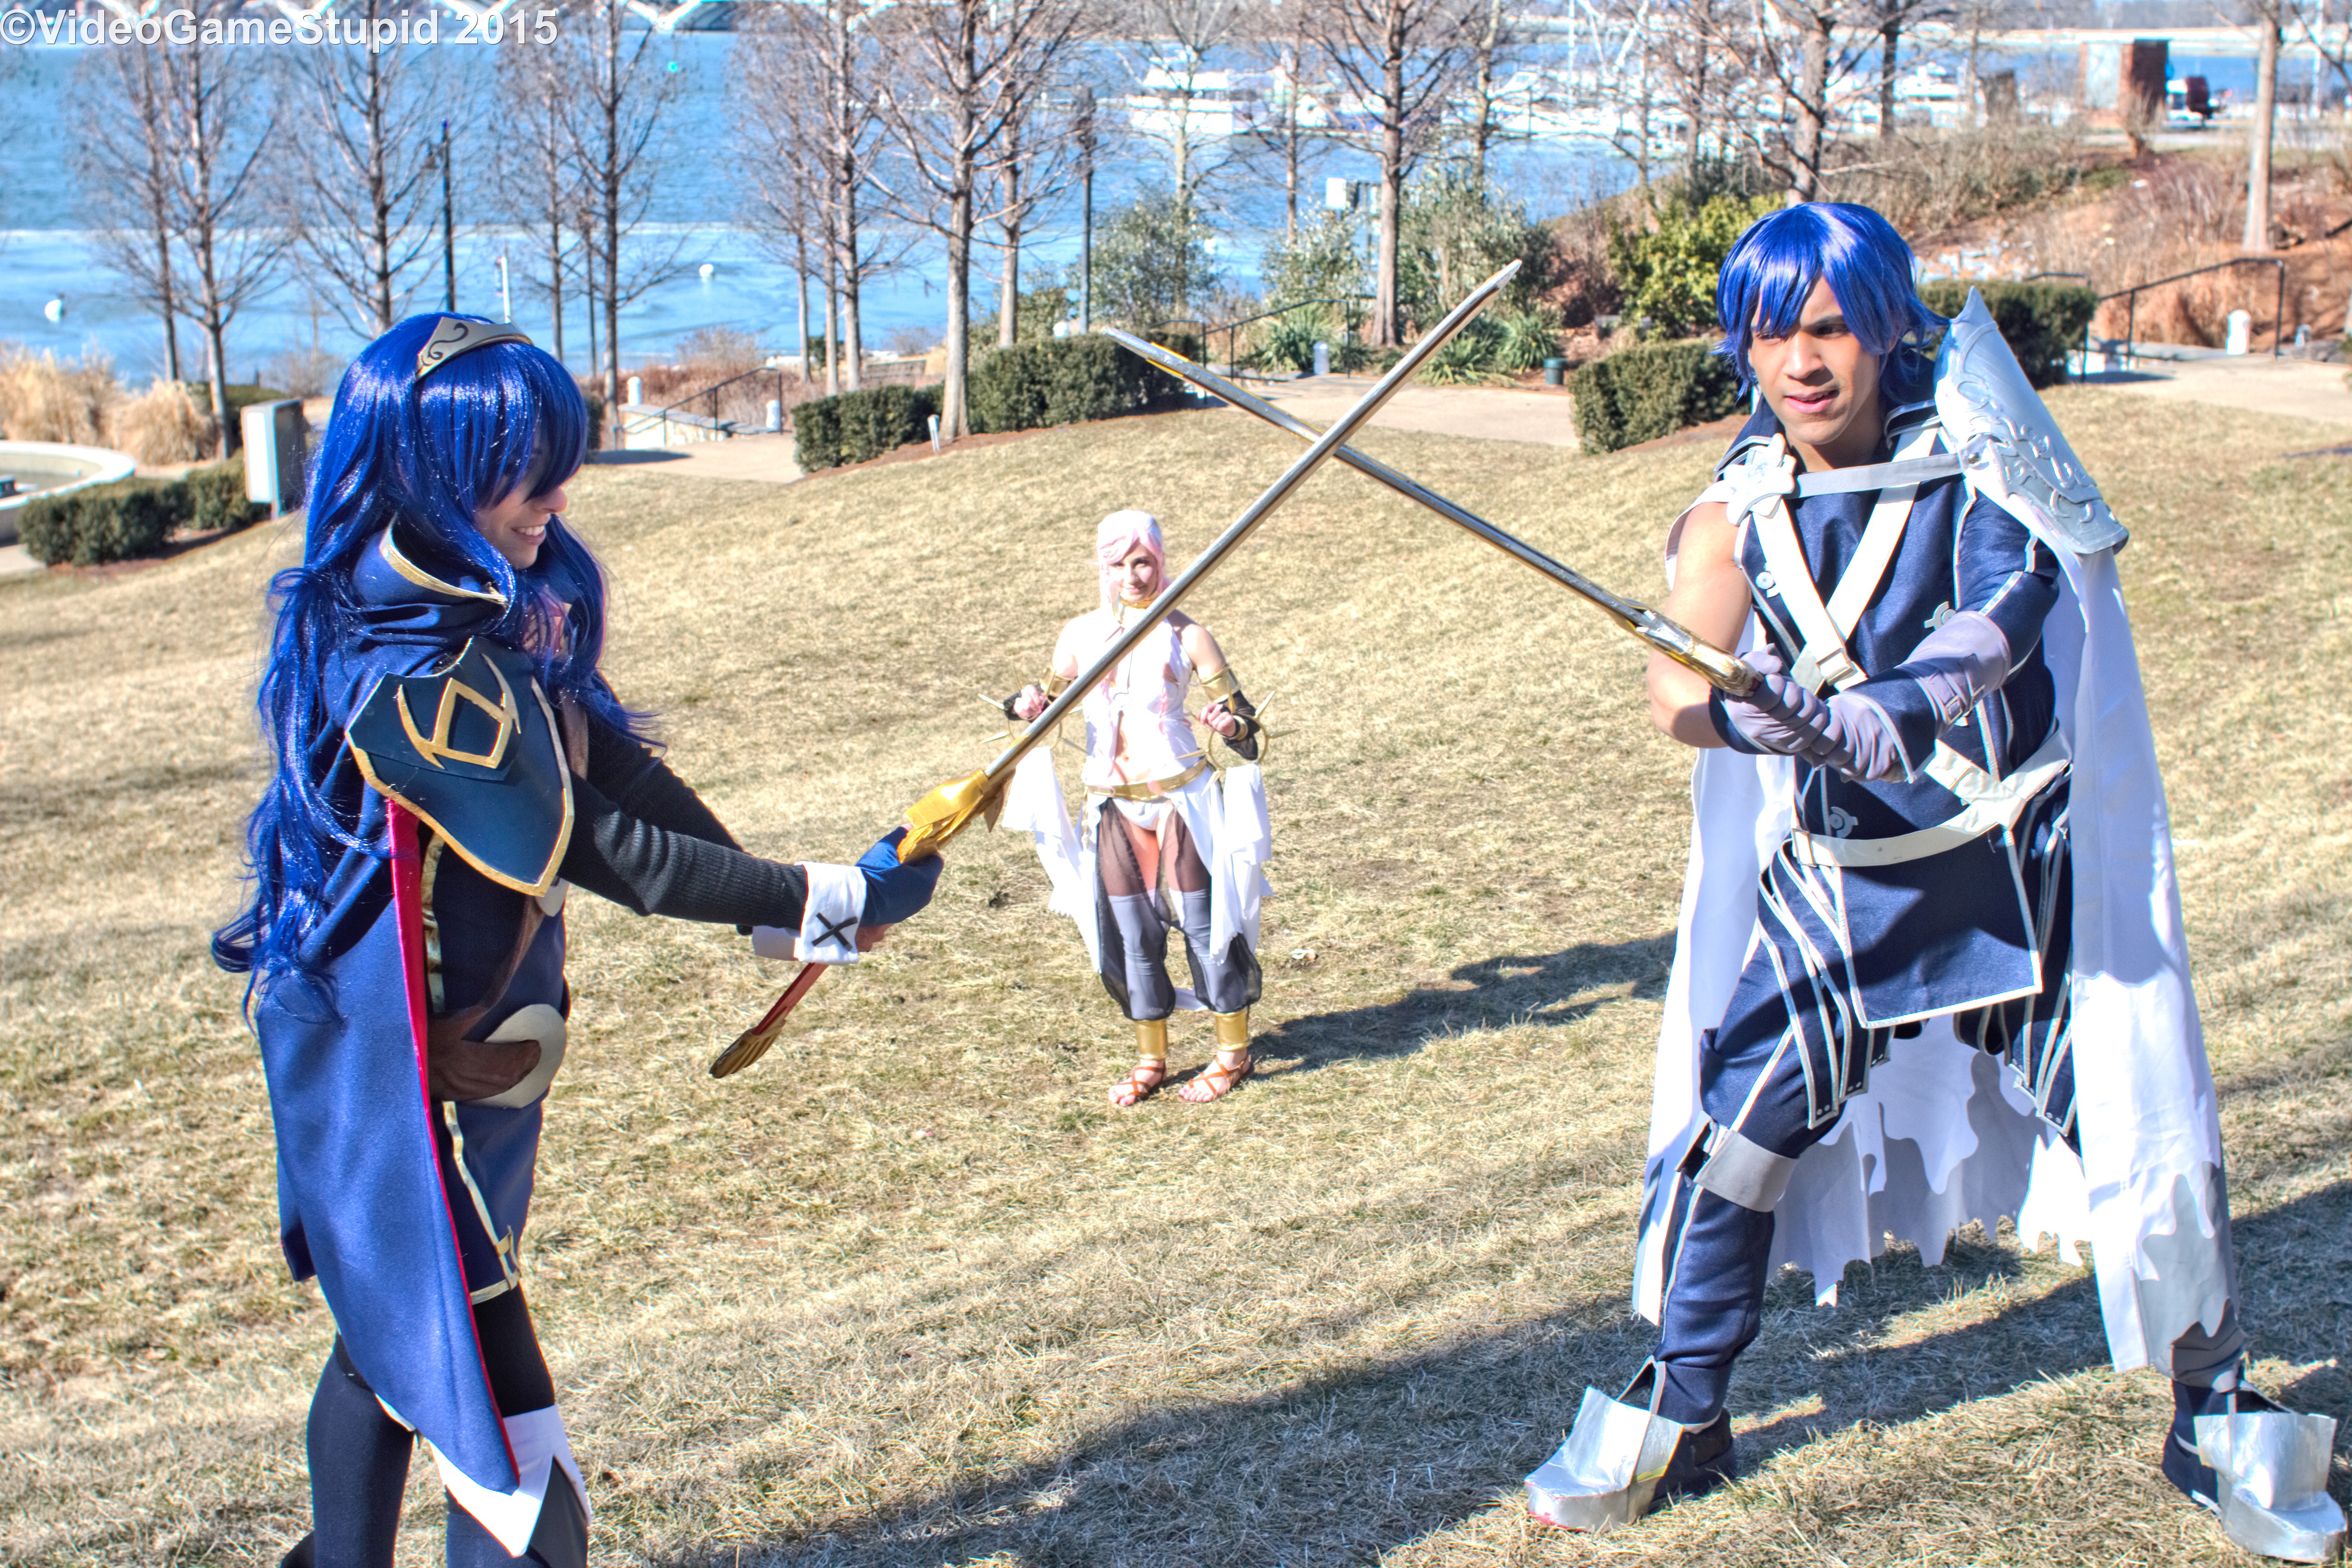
x=472, y=748
x=2009, y=448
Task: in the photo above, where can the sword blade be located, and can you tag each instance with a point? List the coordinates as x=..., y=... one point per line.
x=1663, y=635
x=1255, y=513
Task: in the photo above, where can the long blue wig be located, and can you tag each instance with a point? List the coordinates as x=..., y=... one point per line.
x=502, y=420
x=1773, y=267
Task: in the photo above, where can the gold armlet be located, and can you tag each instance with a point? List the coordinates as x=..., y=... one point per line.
x=1055, y=685
x=1222, y=685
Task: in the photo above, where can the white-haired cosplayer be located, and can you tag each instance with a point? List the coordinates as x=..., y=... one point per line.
x=1167, y=839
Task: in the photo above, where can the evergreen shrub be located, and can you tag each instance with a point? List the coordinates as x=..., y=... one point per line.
x=216, y=497
x=133, y=517
x=2042, y=321
x=1651, y=390
x=858, y=426
x=107, y=522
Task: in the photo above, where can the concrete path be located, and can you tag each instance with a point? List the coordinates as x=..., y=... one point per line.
x=763, y=458
x=1544, y=415
x=15, y=560
x=2296, y=388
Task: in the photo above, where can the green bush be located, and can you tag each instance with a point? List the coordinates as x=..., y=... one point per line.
x=1668, y=273
x=1035, y=386
x=121, y=521
x=2043, y=322
x=216, y=497
x=857, y=427
x=1652, y=390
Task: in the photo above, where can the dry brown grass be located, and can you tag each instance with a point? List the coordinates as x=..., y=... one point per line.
x=43, y=398
x=908, y=1293
x=161, y=425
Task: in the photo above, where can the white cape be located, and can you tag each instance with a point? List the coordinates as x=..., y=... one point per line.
x=1943, y=1136
x=1227, y=820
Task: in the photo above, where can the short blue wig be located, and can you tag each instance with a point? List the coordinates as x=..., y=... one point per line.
x=502, y=419
x=1773, y=267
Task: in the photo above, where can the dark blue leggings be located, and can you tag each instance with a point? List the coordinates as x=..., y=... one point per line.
x=359, y=1461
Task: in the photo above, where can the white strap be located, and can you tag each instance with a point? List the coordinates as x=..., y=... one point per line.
x=1989, y=803
x=1824, y=659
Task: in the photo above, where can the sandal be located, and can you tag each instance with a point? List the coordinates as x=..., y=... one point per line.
x=1217, y=1080
x=1142, y=1080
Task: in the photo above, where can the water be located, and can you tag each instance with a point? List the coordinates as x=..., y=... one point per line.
x=45, y=252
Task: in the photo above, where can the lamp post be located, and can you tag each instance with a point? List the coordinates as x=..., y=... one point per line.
x=506, y=292
x=448, y=232
x=1085, y=208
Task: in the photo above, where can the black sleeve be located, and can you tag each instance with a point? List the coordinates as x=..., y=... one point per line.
x=631, y=777
x=654, y=870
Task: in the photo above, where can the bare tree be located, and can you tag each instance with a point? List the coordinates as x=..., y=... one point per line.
x=534, y=174
x=1033, y=167
x=1790, y=49
x=1400, y=58
x=359, y=206
x=1891, y=17
x=2269, y=17
x=962, y=72
x=614, y=95
x=1284, y=38
x=1490, y=53
x=219, y=125
x=1183, y=39
x=126, y=179
x=781, y=105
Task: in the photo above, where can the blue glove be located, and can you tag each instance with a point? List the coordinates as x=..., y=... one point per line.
x=893, y=890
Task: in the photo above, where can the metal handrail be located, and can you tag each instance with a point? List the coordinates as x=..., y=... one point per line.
x=1230, y=327
x=712, y=391
x=2278, y=308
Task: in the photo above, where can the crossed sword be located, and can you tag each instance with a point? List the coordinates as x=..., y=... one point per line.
x=947, y=810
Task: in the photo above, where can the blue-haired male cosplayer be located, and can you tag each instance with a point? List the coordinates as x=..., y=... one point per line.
x=1930, y=966
x=449, y=760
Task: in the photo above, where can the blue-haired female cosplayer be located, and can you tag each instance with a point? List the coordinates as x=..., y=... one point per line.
x=449, y=762
x=1886, y=1015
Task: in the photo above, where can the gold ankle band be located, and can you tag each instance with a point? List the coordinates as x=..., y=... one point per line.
x=1233, y=1030
x=1151, y=1039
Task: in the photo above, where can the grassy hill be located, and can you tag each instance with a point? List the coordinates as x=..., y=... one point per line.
x=908, y=1291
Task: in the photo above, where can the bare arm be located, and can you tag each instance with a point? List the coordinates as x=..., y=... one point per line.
x=1207, y=658
x=1710, y=598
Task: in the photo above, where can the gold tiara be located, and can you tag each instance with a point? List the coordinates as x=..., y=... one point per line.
x=456, y=336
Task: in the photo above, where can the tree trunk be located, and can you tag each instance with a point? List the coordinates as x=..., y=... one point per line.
x=831, y=324
x=953, y=421
x=1813, y=88
x=2258, y=153
x=1697, y=107
x=1385, y=326
x=1890, y=34
x=1008, y=286
x=845, y=175
x=801, y=283
x=1484, y=92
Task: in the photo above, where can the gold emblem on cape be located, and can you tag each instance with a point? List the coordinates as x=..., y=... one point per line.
x=505, y=713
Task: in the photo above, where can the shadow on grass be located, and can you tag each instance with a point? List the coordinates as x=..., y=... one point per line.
x=1345, y=1468
x=1548, y=990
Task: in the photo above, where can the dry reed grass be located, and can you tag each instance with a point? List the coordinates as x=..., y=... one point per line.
x=45, y=399
x=908, y=1293
x=161, y=425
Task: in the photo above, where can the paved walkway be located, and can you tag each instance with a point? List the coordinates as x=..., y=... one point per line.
x=2296, y=388
x=762, y=457
x=1546, y=416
